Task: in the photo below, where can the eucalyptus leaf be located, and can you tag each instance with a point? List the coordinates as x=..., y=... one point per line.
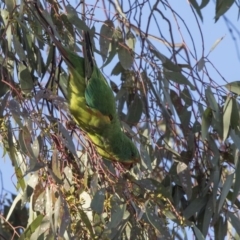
x=25, y=79
x=227, y=113
x=73, y=17
x=179, y=78
x=32, y=227
x=222, y=7
x=135, y=111
x=19, y=49
x=125, y=56
x=185, y=178
x=233, y=87
x=105, y=39
x=206, y=122
x=225, y=189
x=157, y=223
x=197, y=8
x=97, y=203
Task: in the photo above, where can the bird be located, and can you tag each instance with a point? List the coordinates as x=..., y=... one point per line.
x=92, y=104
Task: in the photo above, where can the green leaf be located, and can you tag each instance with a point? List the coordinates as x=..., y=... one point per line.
x=19, y=49
x=68, y=141
x=32, y=227
x=235, y=137
x=201, y=64
x=185, y=178
x=86, y=221
x=10, y=5
x=206, y=122
x=62, y=215
x=63, y=84
x=195, y=206
x=227, y=113
x=176, y=100
x=236, y=186
x=125, y=56
x=131, y=40
x=117, y=212
x=204, y=3
x=197, y=8
x=221, y=228
x=225, y=189
x=4, y=75
x=146, y=159
x=25, y=79
x=73, y=18
x=198, y=234
x=48, y=19
x=212, y=103
x=97, y=203
x=167, y=63
x=233, y=87
x=105, y=39
x=36, y=147
x=186, y=96
x=235, y=114
x=222, y=6
x=207, y=216
x=135, y=111
x=56, y=167
x=38, y=195
x=41, y=229
x=117, y=69
x=185, y=118
x=111, y=54
x=157, y=222
x=196, y=127
x=235, y=221
x=215, y=177
x=179, y=78
x=153, y=186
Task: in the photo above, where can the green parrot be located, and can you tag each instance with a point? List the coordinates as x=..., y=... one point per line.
x=92, y=104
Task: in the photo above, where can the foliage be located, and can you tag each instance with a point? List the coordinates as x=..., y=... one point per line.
x=185, y=125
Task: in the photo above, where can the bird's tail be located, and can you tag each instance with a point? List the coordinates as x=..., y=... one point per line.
x=88, y=55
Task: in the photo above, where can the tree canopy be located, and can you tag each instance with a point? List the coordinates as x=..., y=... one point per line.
x=185, y=125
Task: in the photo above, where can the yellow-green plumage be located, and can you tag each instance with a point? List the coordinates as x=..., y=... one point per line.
x=92, y=104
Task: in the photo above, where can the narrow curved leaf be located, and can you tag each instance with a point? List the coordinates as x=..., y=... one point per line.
x=235, y=221
x=227, y=113
x=25, y=79
x=105, y=39
x=179, y=78
x=157, y=223
x=195, y=206
x=222, y=6
x=135, y=111
x=198, y=234
x=197, y=8
x=212, y=103
x=32, y=227
x=185, y=178
x=236, y=187
x=97, y=203
x=73, y=18
x=206, y=122
x=125, y=56
x=225, y=189
x=131, y=40
x=233, y=87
